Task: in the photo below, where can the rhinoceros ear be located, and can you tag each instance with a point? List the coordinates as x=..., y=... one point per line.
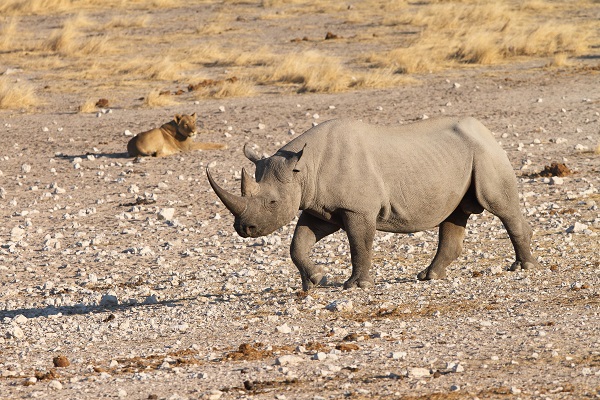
x=295, y=160
x=251, y=154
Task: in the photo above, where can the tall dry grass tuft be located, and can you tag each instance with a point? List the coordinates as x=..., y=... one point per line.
x=415, y=59
x=8, y=34
x=88, y=107
x=546, y=40
x=69, y=41
x=380, y=78
x=479, y=49
x=155, y=99
x=157, y=68
x=227, y=88
x=16, y=95
x=128, y=22
x=26, y=7
x=312, y=70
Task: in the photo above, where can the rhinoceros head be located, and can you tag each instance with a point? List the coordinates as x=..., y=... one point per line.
x=270, y=201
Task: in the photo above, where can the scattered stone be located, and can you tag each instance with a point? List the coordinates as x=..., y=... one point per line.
x=578, y=227
x=14, y=332
x=288, y=359
x=417, y=372
x=55, y=384
x=166, y=214
x=340, y=306
x=284, y=328
x=109, y=300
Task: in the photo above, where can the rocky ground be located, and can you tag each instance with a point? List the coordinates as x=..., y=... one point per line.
x=127, y=280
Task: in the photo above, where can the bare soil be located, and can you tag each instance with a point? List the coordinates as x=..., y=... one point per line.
x=100, y=298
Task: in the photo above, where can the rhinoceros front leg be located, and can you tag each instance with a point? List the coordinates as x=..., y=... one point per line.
x=361, y=232
x=450, y=242
x=309, y=230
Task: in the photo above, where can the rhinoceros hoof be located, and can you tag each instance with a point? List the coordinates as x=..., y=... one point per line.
x=517, y=265
x=361, y=283
x=314, y=280
x=428, y=274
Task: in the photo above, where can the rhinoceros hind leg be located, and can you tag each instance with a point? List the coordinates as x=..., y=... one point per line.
x=498, y=194
x=309, y=230
x=450, y=241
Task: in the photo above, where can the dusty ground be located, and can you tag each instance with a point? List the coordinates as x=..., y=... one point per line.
x=143, y=307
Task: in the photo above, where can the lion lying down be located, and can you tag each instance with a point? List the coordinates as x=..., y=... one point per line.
x=171, y=138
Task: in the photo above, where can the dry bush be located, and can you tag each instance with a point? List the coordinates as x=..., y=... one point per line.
x=227, y=88
x=155, y=99
x=88, y=107
x=16, y=95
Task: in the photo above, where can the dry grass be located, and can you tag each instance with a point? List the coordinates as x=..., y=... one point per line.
x=156, y=68
x=224, y=89
x=313, y=71
x=8, y=34
x=70, y=41
x=114, y=45
x=16, y=95
x=88, y=107
x=26, y=7
x=155, y=99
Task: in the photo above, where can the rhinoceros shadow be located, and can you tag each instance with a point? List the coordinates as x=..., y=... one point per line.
x=80, y=309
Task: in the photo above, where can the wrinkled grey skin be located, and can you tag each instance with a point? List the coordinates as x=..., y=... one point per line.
x=362, y=178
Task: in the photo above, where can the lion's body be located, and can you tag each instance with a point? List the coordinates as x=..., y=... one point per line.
x=171, y=138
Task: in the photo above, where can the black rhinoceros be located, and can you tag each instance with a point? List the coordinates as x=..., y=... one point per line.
x=349, y=175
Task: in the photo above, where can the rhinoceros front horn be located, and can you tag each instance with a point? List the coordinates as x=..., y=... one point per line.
x=236, y=204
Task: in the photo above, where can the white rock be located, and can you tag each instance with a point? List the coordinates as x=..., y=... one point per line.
x=121, y=393
x=261, y=126
x=398, y=355
x=288, y=359
x=166, y=214
x=319, y=356
x=340, y=306
x=458, y=368
x=214, y=395
x=17, y=233
x=109, y=300
x=26, y=168
x=20, y=319
x=127, y=133
x=55, y=384
x=284, y=328
x=556, y=180
x=14, y=332
x=418, y=372
x=577, y=228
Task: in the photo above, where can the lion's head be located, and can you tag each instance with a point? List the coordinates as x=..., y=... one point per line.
x=186, y=124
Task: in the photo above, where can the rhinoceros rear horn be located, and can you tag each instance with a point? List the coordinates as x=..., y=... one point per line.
x=249, y=185
x=236, y=204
